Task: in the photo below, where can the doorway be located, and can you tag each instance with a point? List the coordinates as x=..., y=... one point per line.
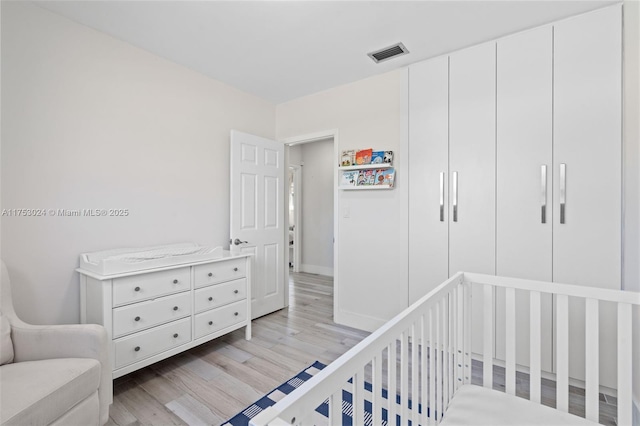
x=295, y=198
x=311, y=205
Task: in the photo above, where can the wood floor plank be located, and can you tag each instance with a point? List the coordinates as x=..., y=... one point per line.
x=274, y=370
x=203, y=369
x=220, y=402
x=244, y=372
x=119, y=415
x=234, y=353
x=193, y=412
x=237, y=389
x=157, y=386
x=146, y=409
x=289, y=364
x=269, y=324
x=306, y=358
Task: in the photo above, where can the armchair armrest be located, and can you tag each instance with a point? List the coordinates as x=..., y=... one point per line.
x=38, y=342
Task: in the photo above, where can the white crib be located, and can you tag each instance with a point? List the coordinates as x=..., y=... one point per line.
x=435, y=374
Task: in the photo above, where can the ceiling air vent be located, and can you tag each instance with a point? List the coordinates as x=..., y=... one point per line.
x=388, y=52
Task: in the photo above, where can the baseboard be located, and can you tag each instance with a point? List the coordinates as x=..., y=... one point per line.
x=359, y=321
x=315, y=269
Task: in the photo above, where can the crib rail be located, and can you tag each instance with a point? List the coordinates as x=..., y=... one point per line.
x=592, y=298
x=423, y=355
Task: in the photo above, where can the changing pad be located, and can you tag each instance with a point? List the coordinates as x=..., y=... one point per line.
x=116, y=261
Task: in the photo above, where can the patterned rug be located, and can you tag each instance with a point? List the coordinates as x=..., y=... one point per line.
x=243, y=417
x=322, y=412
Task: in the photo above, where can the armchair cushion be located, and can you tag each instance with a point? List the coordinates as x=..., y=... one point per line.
x=6, y=346
x=43, y=391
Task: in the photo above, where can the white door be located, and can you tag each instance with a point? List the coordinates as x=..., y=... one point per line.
x=472, y=160
x=587, y=140
x=524, y=179
x=428, y=180
x=472, y=168
x=257, y=218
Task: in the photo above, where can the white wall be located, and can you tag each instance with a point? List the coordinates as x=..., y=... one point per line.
x=295, y=154
x=370, y=277
x=92, y=122
x=317, y=207
x=631, y=149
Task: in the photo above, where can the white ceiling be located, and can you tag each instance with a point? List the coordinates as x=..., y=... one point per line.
x=281, y=50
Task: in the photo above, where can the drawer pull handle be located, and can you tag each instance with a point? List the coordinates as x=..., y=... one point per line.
x=175, y=335
x=210, y=322
x=137, y=318
x=175, y=281
x=235, y=313
x=175, y=308
x=235, y=269
x=136, y=289
x=235, y=291
x=137, y=348
x=210, y=274
x=210, y=299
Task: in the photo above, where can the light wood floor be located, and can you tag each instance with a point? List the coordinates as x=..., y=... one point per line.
x=211, y=383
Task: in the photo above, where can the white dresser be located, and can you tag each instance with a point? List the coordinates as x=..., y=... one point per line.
x=156, y=313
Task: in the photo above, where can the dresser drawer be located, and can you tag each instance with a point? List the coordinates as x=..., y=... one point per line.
x=218, y=272
x=150, y=342
x=143, y=315
x=217, y=319
x=220, y=294
x=148, y=286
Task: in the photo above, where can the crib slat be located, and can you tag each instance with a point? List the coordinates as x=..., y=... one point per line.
x=438, y=376
x=376, y=389
x=445, y=353
x=510, y=341
x=404, y=370
x=450, y=345
x=562, y=353
x=414, y=374
x=423, y=370
x=467, y=334
x=592, y=353
x=335, y=408
x=534, y=347
x=487, y=347
x=358, y=397
x=432, y=368
x=393, y=384
x=625, y=366
x=456, y=346
x=460, y=339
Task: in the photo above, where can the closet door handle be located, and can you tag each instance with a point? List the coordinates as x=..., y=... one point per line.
x=543, y=195
x=454, y=183
x=441, y=196
x=563, y=191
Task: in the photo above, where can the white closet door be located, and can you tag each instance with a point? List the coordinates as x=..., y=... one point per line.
x=428, y=176
x=587, y=138
x=524, y=179
x=472, y=162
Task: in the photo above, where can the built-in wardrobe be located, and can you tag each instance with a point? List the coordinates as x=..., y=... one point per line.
x=515, y=169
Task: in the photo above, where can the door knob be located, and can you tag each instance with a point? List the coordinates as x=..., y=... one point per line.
x=238, y=242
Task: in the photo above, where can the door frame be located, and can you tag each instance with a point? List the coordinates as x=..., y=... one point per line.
x=297, y=185
x=308, y=138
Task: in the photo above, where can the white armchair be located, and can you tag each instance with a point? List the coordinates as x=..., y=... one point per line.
x=59, y=374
